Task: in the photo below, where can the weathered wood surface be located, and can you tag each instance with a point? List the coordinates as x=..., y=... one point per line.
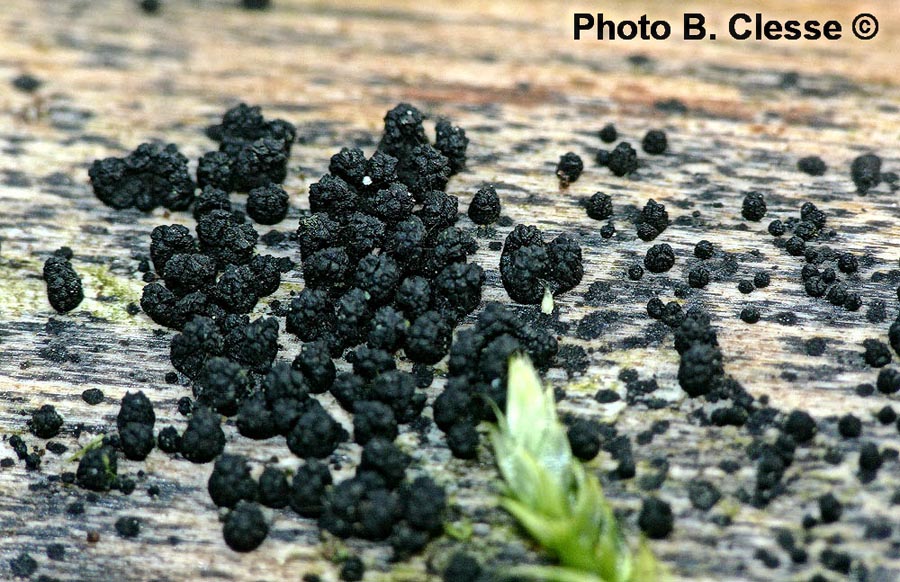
x=526, y=93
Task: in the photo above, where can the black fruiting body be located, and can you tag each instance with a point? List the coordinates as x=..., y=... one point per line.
x=754, y=206
x=655, y=142
x=812, y=165
x=245, y=527
x=203, y=440
x=97, y=469
x=231, y=482
x=451, y=141
x=608, y=133
x=653, y=220
x=214, y=170
x=569, y=168
x=428, y=338
x=308, y=488
x=273, y=490
x=152, y=175
x=599, y=206
x=254, y=344
x=46, y=422
x=622, y=160
x=659, y=258
x=866, y=172
x=485, y=206
x=167, y=241
x=316, y=433
x=267, y=204
x=64, y=291
x=226, y=240
x=221, y=385
x=243, y=124
x=528, y=266
x=315, y=363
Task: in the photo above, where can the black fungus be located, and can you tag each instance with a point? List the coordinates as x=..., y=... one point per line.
x=92, y=396
x=245, y=527
x=866, y=172
x=46, y=422
x=353, y=569
x=254, y=344
x=848, y=263
x=754, y=206
x=23, y=565
x=152, y=175
x=776, y=228
x=700, y=369
x=599, y=206
x=64, y=289
x=316, y=433
x=877, y=354
x=888, y=381
x=569, y=168
x=830, y=508
x=622, y=160
x=886, y=415
x=214, y=170
x=221, y=384
x=316, y=365
x=225, y=239
x=750, y=314
x=659, y=258
x=655, y=142
x=584, y=438
x=800, y=425
x=703, y=250
x=203, y=439
x=27, y=83
x=373, y=420
x=97, y=469
x=230, y=481
x=168, y=440
x=698, y=277
x=273, y=490
x=383, y=457
x=128, y=527
x=653, y=220
x=812, y=165
x=267, y=204
x=795, y=246
x=428, y=338
x=849, y=426
x=210, y=199
x=451, y=141
x=308, y=488
x=656, y=519
x=608, y=133
x=870, y=459
x=199, y=341
x=703, y=494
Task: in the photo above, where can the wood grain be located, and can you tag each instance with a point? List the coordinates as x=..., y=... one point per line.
x=526, y=93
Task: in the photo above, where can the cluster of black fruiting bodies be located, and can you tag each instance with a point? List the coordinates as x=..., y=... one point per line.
x=477, y=370
x=529, y=268
x=253, y=153
x=819, y=280
x=385, y=269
